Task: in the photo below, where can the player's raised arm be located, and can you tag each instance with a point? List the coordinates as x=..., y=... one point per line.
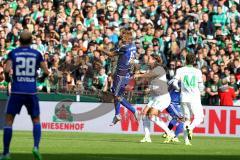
x=150, y=74
x=154, y=62
x=108, y=52
x=126, y=37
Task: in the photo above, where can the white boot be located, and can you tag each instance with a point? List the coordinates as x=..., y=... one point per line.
x=116, y=119
x=146, y=139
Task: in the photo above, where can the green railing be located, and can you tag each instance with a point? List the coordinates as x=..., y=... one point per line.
x=86, y=97
x=58, y=97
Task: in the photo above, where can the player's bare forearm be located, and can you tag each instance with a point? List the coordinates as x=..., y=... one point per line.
x=8, y=66
x=109, y=53
x=145, y=75
x=44, y=67
x=45, y=71
x=9, y=88
x=7, y=70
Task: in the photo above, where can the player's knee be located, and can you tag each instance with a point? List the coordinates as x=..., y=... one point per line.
x=119, y=98
x=116, y=98
x=35, y=119
x=150, y=113
x=9, y=120
x=181, y=119
x=200, y=119
x=144, y=117
x=154, y=112
x=145, y=111
x=185, y=119
x=149, y=116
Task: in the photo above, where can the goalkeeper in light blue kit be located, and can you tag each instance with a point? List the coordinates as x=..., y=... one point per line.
x=126, y=54
x=174, y=109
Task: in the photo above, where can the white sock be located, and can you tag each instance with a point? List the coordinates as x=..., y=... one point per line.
x=196, y=121
x=185, y=135
x=161, y=124
x=146, y=126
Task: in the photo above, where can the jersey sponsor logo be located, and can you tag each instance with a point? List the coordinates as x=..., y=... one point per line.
x=25, y=79
x=132, y=48
x=25, y=54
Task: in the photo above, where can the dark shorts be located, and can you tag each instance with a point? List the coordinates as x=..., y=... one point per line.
x=16, y=101
x=119, y=84
x=174, y=110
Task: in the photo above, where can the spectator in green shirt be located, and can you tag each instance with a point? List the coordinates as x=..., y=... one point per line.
x=3, y=83
x=220, y=19
x=233, y=84
x=212, y=90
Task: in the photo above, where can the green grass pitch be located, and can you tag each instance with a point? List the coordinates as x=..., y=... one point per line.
x=92, y=146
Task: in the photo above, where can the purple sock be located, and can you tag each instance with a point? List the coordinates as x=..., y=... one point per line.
x=36, y=134
x=172, y=123
x=7, y=136
x=117, y=107
x=126, y=104
x=179, y=129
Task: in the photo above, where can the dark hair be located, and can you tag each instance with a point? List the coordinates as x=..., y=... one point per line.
x=25, y=41
x=226, y=68
x=158, y=59
x=190, y=58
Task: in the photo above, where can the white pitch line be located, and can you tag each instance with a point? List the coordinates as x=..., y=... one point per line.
x=115, y=158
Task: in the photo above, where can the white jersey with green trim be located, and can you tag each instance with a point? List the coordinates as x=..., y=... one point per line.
x=191, y=80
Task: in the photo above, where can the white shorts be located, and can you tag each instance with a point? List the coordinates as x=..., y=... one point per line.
x=192, y=108
x=160, y=102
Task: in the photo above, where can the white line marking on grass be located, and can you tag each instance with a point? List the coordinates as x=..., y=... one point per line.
x=107, y=157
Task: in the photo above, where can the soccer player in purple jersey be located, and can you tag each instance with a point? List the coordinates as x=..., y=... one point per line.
x=126, y=54
x=174, y=109
x=24, y=62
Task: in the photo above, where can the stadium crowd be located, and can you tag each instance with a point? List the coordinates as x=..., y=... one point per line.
x=69, y=32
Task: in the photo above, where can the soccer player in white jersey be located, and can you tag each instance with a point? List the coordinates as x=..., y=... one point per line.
x=160, y=98
x=191, y=87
